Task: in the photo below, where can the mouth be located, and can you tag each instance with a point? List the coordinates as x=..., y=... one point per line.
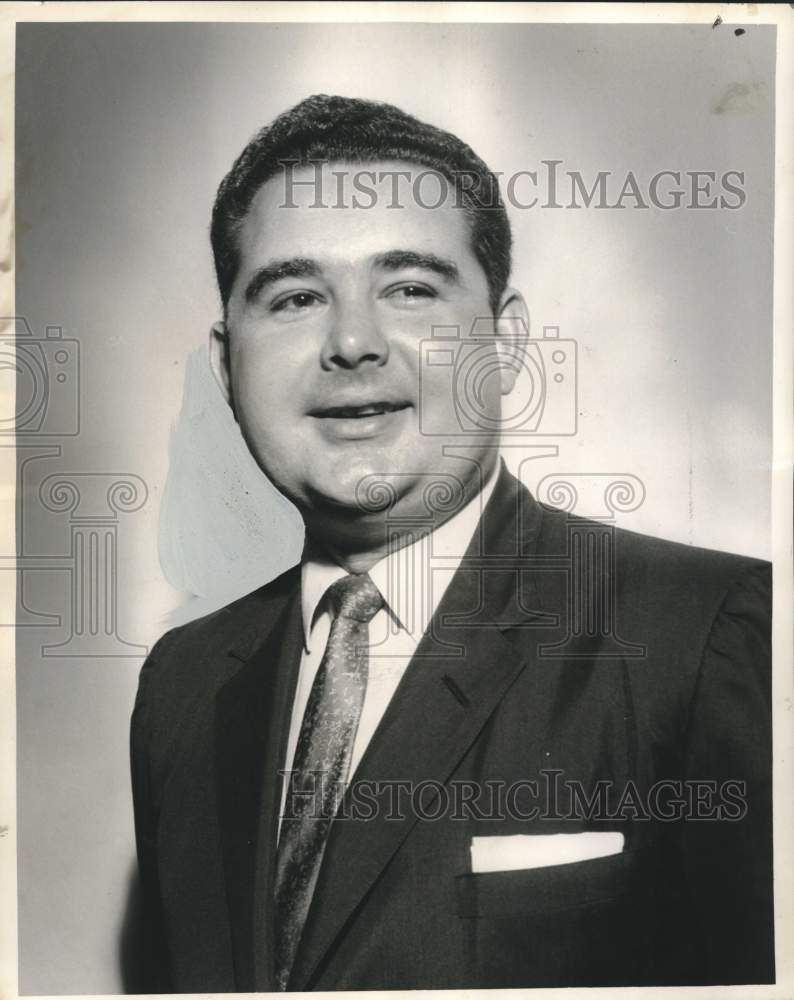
x=360, y=412
x=381, y=421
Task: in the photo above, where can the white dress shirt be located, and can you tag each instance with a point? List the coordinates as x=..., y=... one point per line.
x=412, y=580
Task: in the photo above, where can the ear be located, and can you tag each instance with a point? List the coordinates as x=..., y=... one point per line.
x=219, y=359
x=512, y=331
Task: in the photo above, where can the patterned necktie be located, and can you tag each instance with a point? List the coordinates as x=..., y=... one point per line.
x=322, y=760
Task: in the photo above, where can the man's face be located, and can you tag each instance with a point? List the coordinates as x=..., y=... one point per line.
x=325, y=329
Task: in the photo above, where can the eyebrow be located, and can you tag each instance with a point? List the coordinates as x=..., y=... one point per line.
x=392, y=260
x=395, y=260
x=295, y=267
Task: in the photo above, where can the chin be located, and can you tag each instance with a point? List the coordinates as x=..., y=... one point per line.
x=360, y=494
x=362, y=488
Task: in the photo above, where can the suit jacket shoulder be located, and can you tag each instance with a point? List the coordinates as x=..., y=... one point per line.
x=654, y=580
x=190, y=663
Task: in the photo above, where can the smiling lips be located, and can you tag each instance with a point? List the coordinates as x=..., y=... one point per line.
x=377, y=420
x=374, y=409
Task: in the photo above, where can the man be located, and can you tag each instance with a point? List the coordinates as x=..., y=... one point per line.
x=469, y=741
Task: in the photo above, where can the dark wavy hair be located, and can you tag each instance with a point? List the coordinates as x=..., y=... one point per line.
x=350, y=130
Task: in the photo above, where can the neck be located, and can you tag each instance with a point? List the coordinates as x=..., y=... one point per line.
x=360, y=562
x=358, y=541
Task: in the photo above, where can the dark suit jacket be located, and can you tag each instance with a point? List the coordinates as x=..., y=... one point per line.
x=563, y=651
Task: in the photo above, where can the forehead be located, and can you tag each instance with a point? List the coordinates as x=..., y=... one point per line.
x=347, y=213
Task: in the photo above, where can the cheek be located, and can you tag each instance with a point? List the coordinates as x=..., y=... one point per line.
x=463, y=396
x=263, y=377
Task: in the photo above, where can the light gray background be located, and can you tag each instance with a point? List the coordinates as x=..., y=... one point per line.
x=123, y=133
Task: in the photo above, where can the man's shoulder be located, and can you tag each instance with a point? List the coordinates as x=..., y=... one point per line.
x=231, y=620
x=663, y=560
x=208, y=650
x=649, y=562
x=660, y=586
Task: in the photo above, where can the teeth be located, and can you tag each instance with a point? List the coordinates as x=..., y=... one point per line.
x=369, y=410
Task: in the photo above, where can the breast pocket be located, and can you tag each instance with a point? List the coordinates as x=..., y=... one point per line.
x=554, y=887
x=579, y=924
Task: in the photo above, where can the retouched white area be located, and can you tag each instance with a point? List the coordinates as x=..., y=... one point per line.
x=224, y=529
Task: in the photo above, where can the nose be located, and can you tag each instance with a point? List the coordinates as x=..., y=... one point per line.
x=354, y=339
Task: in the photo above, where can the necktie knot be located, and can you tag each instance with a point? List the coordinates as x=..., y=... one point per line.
x=355, y=596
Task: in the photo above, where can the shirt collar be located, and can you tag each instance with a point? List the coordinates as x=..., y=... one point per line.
x=411, y=586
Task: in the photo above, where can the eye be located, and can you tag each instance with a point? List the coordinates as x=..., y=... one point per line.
x=294, y=302
x=411, y=293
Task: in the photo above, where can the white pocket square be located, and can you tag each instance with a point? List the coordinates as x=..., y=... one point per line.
x=513, y=853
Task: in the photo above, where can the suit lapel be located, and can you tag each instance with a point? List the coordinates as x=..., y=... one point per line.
x=252, y=724
x=440, y=706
